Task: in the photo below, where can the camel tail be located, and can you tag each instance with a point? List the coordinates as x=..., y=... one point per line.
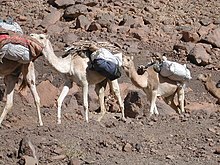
x=24, y=84
x=24, y=71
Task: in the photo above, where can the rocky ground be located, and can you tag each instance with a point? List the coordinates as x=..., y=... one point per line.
x=186, y=31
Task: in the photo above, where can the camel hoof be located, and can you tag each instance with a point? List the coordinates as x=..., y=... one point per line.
x=41, y=124
x=58, y=121
x=123, y=119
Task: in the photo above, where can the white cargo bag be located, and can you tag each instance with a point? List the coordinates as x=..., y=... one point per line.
x=10, y=25
x=15, y=52
x=103, y=53
x=175, y=71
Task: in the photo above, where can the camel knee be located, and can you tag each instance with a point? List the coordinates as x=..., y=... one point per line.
x=9, y=106
x=181, y=100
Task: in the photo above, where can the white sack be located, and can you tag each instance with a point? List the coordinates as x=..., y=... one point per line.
x=103, y=53
x=175, y=71
x=13, y=26
x=15, y=52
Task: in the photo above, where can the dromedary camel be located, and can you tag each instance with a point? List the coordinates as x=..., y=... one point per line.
x=75, y=68
x=11, y=71
x=154, y=85
x=210, y=85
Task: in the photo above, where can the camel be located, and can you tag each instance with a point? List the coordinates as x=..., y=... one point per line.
x=11, y=71
x=210, y=85
x=75, y=68
x=154, y=85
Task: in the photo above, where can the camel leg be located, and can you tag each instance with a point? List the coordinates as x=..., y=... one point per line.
x=115, y=87
x=32, y=86
x=181, y=97
x=100, y=91
x=153, y=106
x=10, y=82
x=64, y=92
x=85, y=100
x=170, y=101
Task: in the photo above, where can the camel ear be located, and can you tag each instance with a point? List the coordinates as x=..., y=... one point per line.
x=164, y=58
x=132, y=57
x=47, y=36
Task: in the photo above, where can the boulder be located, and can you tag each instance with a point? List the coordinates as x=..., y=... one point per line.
x=199, y=54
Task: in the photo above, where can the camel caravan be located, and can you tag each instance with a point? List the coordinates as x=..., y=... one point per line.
x=87, y=63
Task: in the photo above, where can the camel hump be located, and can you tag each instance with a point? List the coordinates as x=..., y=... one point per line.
x=84, y=48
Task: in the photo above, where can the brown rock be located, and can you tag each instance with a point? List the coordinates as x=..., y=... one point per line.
x=94, y=27
x=217, y=150
x=28, y=160
x=127, y=147
x=190, y=37
x=213, y=37
x=54, y=29
x=26, y=148
x=133, y=102
x=199, y=54
x=105, y=19
x=74, y=161
x=63, y=3
x=58, y=157
x=69, y=38
x=72, y=12
x=51, y=18
x=204, y=30
x=48, y=93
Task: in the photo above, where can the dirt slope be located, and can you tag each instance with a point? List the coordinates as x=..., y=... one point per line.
x=142, y=28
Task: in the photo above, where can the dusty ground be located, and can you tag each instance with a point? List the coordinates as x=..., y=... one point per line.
x=190, y=138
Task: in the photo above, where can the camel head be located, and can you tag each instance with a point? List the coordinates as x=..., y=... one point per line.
x=127, y=62
x=42, y=38
x=204, y=77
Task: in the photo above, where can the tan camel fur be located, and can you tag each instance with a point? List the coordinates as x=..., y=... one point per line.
x=11, y=71
x=210, y=85
x=154, y=85
x=75, y=68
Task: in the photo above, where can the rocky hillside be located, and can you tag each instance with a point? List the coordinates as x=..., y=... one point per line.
x=186, y=31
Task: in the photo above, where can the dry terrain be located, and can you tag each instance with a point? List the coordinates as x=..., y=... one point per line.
x=141, y=28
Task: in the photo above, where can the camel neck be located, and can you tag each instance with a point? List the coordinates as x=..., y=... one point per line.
x=139, y=81
x=60, y=64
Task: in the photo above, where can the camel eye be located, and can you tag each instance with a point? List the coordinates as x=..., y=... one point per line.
x=41, y=37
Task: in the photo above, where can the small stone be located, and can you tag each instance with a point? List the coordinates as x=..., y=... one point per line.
x=26, y=148
x=2, y=162
x=171, y=157
x=217, y=150
x=127, y=147
x=28, y=160
x=212, y=130
x=139, y=147
x=58, y=157
x=58, y=150
x=74, y=161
